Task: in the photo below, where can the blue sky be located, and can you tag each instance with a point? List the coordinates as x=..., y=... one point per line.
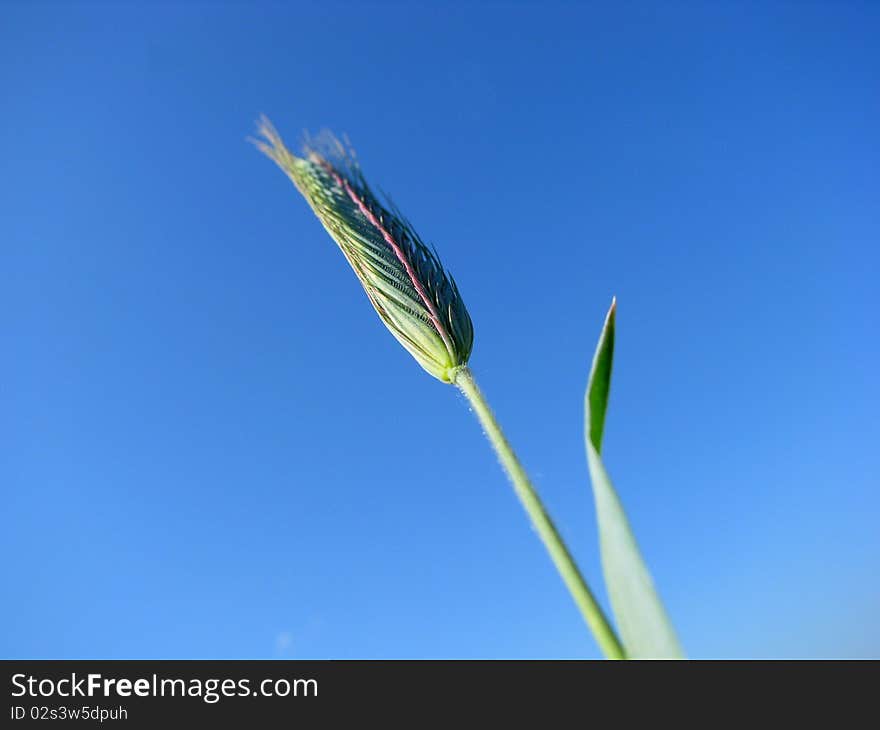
x=212, y=447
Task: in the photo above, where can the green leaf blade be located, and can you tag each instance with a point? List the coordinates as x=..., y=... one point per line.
x=644, y=626
x=599, y=387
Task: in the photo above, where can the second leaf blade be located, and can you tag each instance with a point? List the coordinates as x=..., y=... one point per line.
x=641, y=619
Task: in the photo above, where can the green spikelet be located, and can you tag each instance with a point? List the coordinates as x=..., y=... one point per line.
x=403, y=278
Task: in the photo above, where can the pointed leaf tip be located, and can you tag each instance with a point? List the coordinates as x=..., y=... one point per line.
x=599, y=384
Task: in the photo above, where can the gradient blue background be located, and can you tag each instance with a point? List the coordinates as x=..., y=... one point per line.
x=212, y=448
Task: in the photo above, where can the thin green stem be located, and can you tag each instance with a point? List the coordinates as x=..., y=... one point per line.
x=562, y=558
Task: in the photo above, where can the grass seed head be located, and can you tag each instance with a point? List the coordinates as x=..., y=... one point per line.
x=407, y=285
